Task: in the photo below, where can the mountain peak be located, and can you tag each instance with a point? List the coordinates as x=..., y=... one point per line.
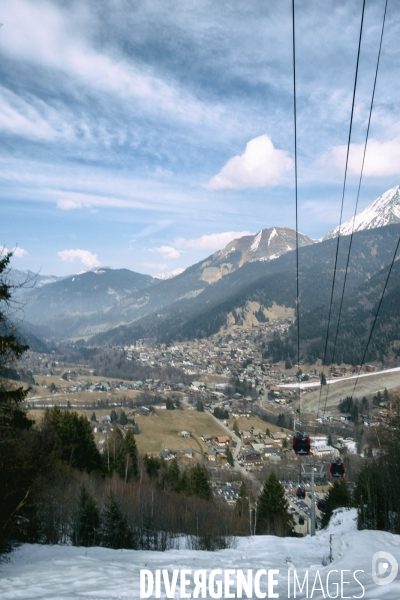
x=266, y=244
x=385, y=210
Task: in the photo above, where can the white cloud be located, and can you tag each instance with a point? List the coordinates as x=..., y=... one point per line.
x=382, y=158
x=167, y=251
x=76, y=201
x=260, y=165
x=56, y=38
x=134, y=193
x=70, y=204
x=17, y=252
x=214, y=241
x=87, y=258
x=33, y=119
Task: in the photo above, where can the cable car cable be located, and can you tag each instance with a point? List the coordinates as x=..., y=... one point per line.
x=296, y=195
x=358, y=195
x=376, y=315
x=343, y=194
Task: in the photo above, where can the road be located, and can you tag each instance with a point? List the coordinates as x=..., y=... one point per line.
x=232, y=434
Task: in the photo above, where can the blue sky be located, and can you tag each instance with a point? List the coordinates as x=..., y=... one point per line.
x=148, y=134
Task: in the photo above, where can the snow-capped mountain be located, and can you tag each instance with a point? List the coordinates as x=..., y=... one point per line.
x=267, y=244
x=170, y=275
x=385, y=210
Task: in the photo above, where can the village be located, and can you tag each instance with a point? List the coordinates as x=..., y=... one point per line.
x=231, y=410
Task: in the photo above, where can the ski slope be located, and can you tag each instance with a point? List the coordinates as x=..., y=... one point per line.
x=53, y=572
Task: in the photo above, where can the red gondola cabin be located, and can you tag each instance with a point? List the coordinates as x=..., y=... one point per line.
x=301, y=493
x=337, y=469
x=301, y=444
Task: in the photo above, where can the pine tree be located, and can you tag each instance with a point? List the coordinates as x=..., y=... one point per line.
x=272, y=509
x=17, y=465
x=132, y=458
x=116, y=532
x=174, y=476
x=337, y=497
x=199, y=484
x=87, y=521
x=242, y=503
x=170, y=404
x=123, y=419
x=323, y=378
x=281, y=420
x=236, y=428
x=229, y=456
x=78, y=447
x=93, y=417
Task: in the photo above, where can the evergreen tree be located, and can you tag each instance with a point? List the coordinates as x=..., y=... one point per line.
x=153, y=464
x=116, y=532
x=174, y=476
x=170, y=404
x=17, y=465
x=123, y=419
x=200, y=406
x=199, y=484
x=242, y=503
x=288, y=364
x=78, y=447
x=272, y=509
x=338, y=497
x=281, y=420
x=118, y=452
x=132, y=458
x=93, y=417
x=323, y=378
x=229, y=456
x=236, y=428
x=86, y=526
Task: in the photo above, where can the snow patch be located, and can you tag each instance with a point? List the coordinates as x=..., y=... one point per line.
x=170, y=275
x=256, y=242
x=273, y=234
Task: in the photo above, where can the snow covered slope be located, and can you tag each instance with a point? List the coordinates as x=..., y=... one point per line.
x=52, y=572
x=385, y=210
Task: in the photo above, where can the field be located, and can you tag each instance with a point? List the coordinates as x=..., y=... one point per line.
x=162, y=430
x=245, y=424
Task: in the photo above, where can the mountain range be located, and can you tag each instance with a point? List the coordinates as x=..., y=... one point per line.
x=250, y=274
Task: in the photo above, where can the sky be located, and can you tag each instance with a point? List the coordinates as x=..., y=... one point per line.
x=148, y=134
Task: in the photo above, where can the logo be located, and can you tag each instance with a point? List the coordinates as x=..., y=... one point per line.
x=381, y=561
